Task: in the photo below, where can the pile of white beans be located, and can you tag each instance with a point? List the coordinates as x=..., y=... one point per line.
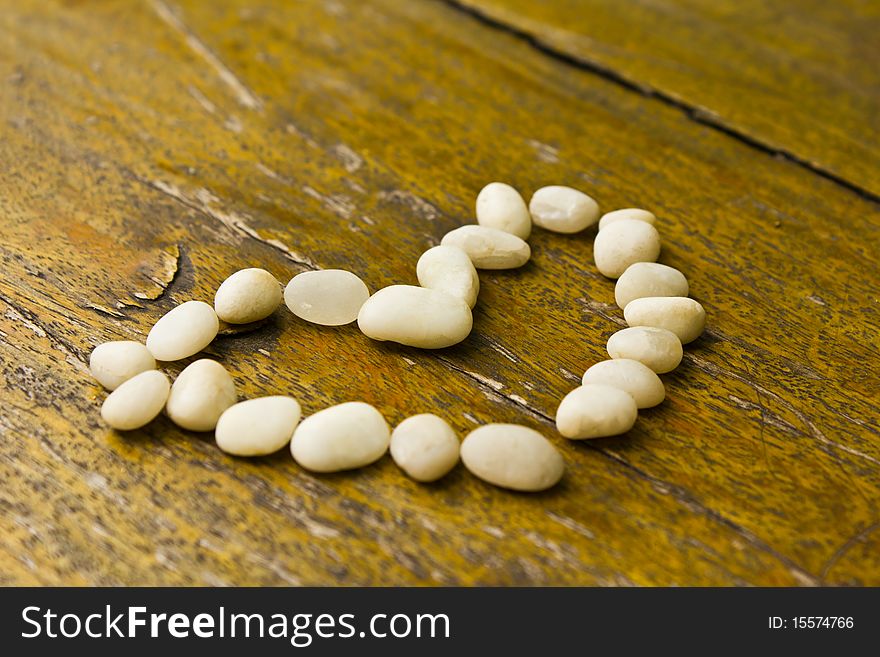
x=435, y=314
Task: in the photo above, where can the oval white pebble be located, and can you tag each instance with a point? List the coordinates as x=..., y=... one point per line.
x=500, y=206
x=512, y=456
x=489, y=248
x=202, y=391
x=450, y=270
x=627, y=213
x=596, y=411
x=649, y=279
x=624, y=242
x=114, y=363
x=258, y=426
x=330, y=297
x=415, y=316
x=183, y=331
x=342, y=437
x=136, y=401
x=248, y=295
x=425, y=447
x=563, y=209
x=681, y=315
x=632, y=377
x=654, y=347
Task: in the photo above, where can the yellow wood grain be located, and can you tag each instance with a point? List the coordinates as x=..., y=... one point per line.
x=149, y=150
x=797, y=77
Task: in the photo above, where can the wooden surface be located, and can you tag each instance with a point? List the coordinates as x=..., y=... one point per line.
x=148, y=150
x=798, y=79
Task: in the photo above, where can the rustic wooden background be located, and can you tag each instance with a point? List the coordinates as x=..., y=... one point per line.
x=149, y=149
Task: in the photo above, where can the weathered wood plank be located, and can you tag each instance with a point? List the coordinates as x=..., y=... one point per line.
x=796, y=77
x=140, y=169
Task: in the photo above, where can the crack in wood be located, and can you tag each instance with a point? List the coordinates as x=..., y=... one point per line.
x=244, y=95
x=234, y=222
x=170, y=270
x=846, y=546
x=811, y=428
x=18, y=313
x=694, y=113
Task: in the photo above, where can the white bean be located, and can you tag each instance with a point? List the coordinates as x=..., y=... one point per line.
x=489, y=248
x=649, y=279
x=500, y=206
x=342, y=437
x=563, y=209
x=202, y=391
x=596, y=411
x=114, y=363
x=136, y=401
x=257, y=426
x=624, y=242
x=415, y=316
x=656, y=348
x=684, y=317
x=450, y=270
x=632, y=377
x=183, y=331
x=512, y=456
x=330, y=297
x=425, y=447
x=248, y=295
x=626, y=213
